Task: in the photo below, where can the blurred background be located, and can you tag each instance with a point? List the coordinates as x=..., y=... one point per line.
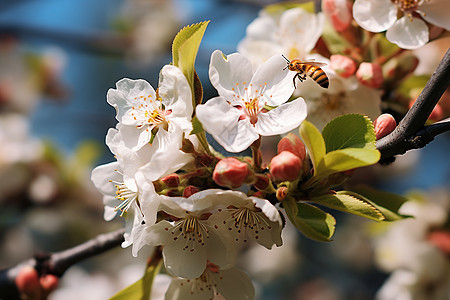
x=57, y=61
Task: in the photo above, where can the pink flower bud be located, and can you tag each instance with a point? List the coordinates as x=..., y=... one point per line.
x=27, y=281
x=370, y=74
x=189, y=191
x=384, y=125
x=262, y=181
x=440, y=239
x=286, y=166
x=437, y=114
x=281, y=193
x=231, y=172
x=343, y=65
x=339, y=12
x=293, y=144
x=171, y=180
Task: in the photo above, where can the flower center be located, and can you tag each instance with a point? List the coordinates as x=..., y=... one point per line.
x=127, y=196
x=249, y=99
x=243, y=219
x=407, y=5
x=192, y=230
x=150, y=113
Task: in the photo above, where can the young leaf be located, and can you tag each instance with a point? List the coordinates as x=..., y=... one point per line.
x=349, y=131
x=350, y=204
x=387, y=203
x=142, y=288
x=310, y=220
x=279, y=8
x=348, y=159
x=314, y=142
x=184, y=50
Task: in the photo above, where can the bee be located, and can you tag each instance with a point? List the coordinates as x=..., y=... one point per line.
x=310, y=68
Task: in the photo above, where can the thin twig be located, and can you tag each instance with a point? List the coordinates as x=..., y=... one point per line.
x=411, y=128
x=57, y=263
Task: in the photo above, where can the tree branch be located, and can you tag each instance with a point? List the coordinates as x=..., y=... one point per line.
x=57, y=263
x=410, y=132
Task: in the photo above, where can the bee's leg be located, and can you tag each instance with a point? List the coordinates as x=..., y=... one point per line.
x=303, y=77
x=293, y=81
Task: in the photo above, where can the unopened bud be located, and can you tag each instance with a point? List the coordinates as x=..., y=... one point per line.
x=281, y=193
x=370, y=74
x=49, y=282
x=400, y=66
x=441, y=239
x=27, y=281
x=339, y=12
x=384, y=125
x=343, y=65
x=262, y=182
x=171, y=180
x=231, y=172
x=437, y=114
x=189, y=191
x=293, y=144
x=285, y=166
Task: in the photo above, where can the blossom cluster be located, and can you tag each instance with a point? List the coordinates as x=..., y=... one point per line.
x=197, y=207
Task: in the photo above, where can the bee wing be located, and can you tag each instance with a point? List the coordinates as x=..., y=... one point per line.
x=313, y=63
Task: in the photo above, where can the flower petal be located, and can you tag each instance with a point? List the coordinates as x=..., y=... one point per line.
x=226, y=73
x=183, y=262
x=221, y=248
x=221, y=120
x=282, y=119
x=182, y=289
x=101, y=177
x=300, y=29
x=175, y=92
x=408, y=33
x=436, y=12
x=375, y=15
x=276, y=80
x=235, y=284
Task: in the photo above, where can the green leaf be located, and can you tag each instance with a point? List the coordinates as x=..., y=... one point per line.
x=349, y=131
x=347, y=159
x=310, y=220
x=349, y=203
x=142, y=288
x=387, y=203
x=184, y=50
x=314, y=142
x=279, y=8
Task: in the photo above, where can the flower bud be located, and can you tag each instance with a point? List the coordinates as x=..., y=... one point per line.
x=339, y=12
x=281, y=193
x=343, y=65
x=171, y=180
x=384, y=125
x=189, y=191
x=370, y=74
x=293, y=144
x=441, y=239
x=262, y=182
x=437, y=114
x=27, y=281
x=231, y=172
x=286, y=166
x=399, y=67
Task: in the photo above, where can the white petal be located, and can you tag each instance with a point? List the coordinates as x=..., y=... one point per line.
x=408, y=33
x=436, y=12
x=276, y=80
x=263, y=27
x=282, y=119
x=183, y=262
x=175, y=91
x=375, y=15
x=182, y=289
x=221, y=120
x=226, y=73
x=221, y=248
x=258, y=51
x=101, y=177
x=235, y=284
x=300, y=29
